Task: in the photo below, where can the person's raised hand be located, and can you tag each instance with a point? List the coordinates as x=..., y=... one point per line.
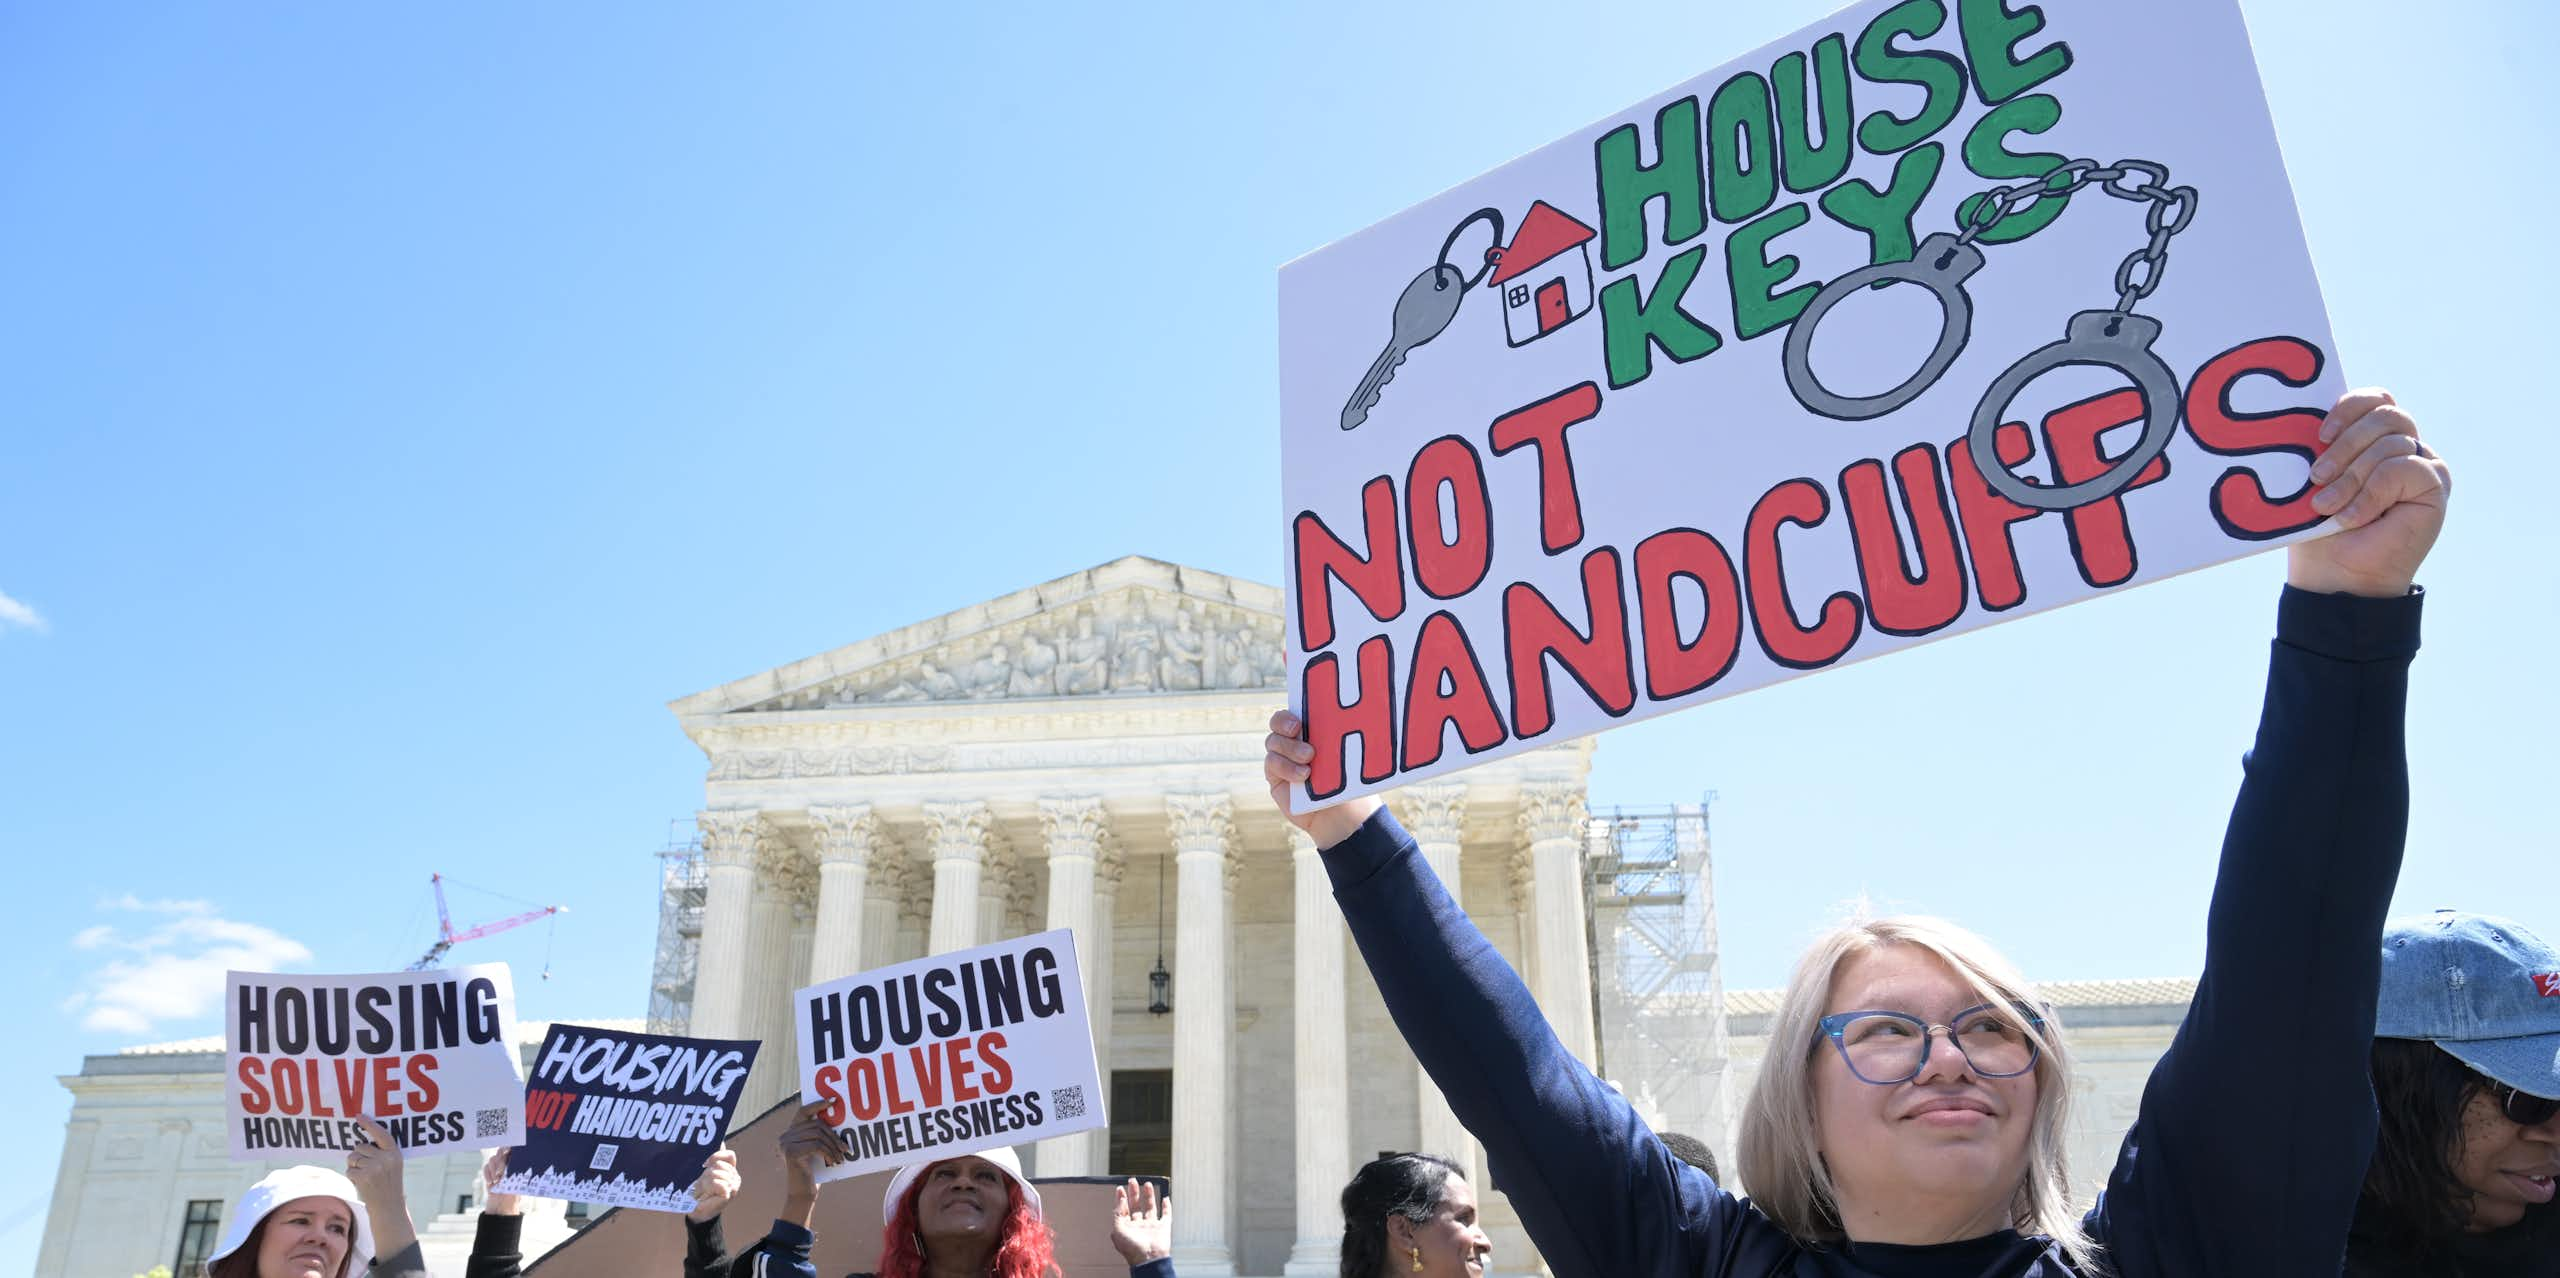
x=376, y=1167
x=2387, y=491
x=374, y=1164
x=1141, y=1223
x=718, y=1182
x=807, y=1145
x=491, y=1201
x=1285, y=756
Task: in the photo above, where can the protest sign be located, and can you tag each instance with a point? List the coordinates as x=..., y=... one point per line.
x=429, y=1055
x=951, y=1054
x=625, y=1119
x=1865, y=338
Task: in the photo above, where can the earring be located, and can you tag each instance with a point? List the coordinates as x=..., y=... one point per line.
x=1417, y=1258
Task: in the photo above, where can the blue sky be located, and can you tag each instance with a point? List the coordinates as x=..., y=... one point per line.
x=397, y=408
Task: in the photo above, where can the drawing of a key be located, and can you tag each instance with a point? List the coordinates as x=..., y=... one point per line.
x=1422, y=313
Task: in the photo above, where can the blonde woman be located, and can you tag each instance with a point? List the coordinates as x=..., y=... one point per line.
x=1908, y=1119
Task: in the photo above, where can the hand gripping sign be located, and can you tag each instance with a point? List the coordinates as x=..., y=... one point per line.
x=1790, y=366
x=951, y=1054
x=429, y=1055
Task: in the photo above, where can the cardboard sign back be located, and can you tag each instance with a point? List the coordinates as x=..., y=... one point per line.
x=1929, y=316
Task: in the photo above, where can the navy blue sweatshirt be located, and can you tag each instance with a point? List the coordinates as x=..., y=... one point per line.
x=2254, y=1129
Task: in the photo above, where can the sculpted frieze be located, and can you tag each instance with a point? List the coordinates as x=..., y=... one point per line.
x=1135, y=641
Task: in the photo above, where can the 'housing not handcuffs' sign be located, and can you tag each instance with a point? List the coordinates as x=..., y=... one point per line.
x=1867, y=337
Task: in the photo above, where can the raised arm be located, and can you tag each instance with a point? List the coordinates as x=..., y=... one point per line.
x=2256, y=1126
x=376, y=1167
x=1596, y=1191
x=1142, y=1229
x=497, y=1243
x=706, y=1250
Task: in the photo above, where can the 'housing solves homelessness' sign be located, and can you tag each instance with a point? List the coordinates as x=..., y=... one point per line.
x=625, y=1119
x=429, y=1055
x=951, y=1054
x=1933, y=314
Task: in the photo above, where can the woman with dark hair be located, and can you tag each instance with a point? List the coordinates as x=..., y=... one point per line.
x=312, y=1222
x=2466, y=1064
x=1412, y=1214
x=973, y=1216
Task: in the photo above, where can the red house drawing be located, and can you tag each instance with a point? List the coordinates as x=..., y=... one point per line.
x=1544, y=275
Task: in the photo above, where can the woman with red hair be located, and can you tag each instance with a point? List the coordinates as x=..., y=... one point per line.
x=973, y=1216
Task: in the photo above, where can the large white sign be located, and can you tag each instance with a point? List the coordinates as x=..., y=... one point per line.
x=429, y=1055
x=1933, y=314
x=951, y=1054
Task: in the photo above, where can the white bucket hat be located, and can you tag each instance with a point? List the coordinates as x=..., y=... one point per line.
x=1003, y=1157
x=286, y=1184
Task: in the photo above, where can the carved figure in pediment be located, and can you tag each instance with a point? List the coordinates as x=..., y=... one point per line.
x=1270, y=664
x=1235, y=668
x=1085, y=667
x=1185, y=652
x=1036, y=674
x=987, y=676
x=935, y=682
x=1133, y=667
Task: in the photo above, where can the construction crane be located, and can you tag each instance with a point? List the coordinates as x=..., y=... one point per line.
x=447, y=938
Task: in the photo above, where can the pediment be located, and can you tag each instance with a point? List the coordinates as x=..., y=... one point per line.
x=1132, y=627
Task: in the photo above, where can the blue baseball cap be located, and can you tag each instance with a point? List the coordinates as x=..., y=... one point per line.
x=2483, y=989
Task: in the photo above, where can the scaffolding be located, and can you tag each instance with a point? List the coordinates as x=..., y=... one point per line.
x=1657, y=982
x=680, y=892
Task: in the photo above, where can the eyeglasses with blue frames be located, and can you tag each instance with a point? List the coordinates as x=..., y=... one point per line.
x=1885, y=1048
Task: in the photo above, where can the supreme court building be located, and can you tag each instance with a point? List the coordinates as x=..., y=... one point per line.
x=1086, y=754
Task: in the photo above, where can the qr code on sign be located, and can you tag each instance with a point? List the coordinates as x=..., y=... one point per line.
x=493, y=1122
x=1068, y=1101
x=603, y=1161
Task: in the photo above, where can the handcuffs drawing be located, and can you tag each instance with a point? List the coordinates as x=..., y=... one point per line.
x=2115, y=338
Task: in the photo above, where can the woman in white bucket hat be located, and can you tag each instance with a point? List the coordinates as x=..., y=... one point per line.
x=314, y=1222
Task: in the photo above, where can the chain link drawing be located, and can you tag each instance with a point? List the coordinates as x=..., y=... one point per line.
x=2114, y=338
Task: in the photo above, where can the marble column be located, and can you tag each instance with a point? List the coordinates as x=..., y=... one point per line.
x=1436, y=814
x=783, y=885
x=1554, y=824
x=1074, y=830
x=1204, y=847
x=1321, y=1069
x=959, y=832
x=729, y=839
x=1107, y=869
x=884, y=901
x=846, y=836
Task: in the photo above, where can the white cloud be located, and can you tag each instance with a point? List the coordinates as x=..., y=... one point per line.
x=14, y=613
x=171, y=968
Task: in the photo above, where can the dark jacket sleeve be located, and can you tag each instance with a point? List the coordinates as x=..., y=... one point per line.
x=497, y=1249
x=407, y=1262
x=1153, y=1269
x=784, y=1253
x=2257, y=1124
x=706, y=1249
x=1597, y=1193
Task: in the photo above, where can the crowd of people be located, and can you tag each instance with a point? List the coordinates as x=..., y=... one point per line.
x=2346, y=1093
